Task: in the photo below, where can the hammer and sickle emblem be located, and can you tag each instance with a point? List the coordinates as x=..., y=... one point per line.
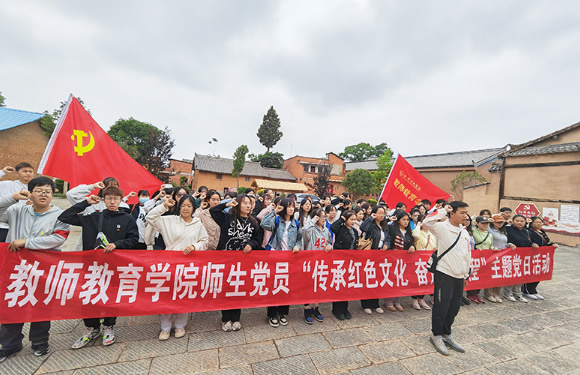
x=80, y=149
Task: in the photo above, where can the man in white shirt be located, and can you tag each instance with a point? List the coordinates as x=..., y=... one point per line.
x=452, y=271
x=25, y=173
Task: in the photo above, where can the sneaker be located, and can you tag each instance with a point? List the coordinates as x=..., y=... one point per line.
x=399, y=308
x=42, y=351
x=273, y=322
x=236, y=326
x=378, y=310
x=317, y=314
x=179, y=332
x=90, y=334
x=478, y=298
x=108, y=335
x=368, y=311
x=539, y=297
x=164, y=335
x=5, y=353
x=498, y=300
x=511, y=298
x=283, y=320
x=227, y=326
x=415, y=305
x=439, y=345
x=424, y=305
x=522, y=299
x=308, y=316
x=347, y=314
x=390, y=308
x=491, y=299
x=453, y=344
x=531, y=296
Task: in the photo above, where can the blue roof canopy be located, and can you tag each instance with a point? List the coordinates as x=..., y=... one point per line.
x=11, y=118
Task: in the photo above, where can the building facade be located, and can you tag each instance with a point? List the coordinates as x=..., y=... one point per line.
x=305, y=169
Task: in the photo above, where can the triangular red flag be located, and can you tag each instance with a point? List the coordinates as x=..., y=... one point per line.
x=405, y=184
x=81, y=152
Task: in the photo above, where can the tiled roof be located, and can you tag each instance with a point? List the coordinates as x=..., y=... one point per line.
x=554, y=135
x=369, y=165
x=225, y=166
x=10, y=118
x=548, y=149
x=279, y=185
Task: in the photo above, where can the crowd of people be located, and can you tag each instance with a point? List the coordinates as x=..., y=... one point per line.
x=176, y=219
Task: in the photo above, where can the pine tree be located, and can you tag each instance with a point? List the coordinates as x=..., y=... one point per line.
x=269, y=132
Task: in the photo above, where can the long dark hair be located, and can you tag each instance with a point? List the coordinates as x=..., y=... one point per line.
x=107, y=181
x=235, y=211
x=183, y=200
x=301, y=214
x=399, y=214
x=285, y=202
x=385, y=221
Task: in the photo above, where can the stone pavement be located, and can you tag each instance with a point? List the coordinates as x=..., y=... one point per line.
x=540, y=337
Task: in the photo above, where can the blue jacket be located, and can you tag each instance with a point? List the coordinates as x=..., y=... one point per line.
x=294, y=232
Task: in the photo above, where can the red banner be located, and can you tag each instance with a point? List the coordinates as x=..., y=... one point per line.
x=45, y=285
x=81, y=152
x=406, y=185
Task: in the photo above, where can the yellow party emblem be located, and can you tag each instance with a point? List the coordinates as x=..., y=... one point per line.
x=80, y=148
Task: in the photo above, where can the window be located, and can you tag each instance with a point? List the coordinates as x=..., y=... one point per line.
x=312, y=169
x=218, y=176
x=247, y=179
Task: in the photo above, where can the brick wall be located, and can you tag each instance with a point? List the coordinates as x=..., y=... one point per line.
x=22, y=143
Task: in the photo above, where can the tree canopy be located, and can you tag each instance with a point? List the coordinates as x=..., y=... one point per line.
x=464, y=179
x=239, y=162
x=363, y=151
x=2, y=100
x=269, y=132
x=321, y=181
x=49, y=121
x=384, y=165
x=269, y=159
x=149, y=146
x=359, y=182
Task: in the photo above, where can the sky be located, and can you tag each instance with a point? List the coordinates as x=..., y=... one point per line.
x=423, y=76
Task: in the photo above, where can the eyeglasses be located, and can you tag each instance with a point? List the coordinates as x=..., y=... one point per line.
x=112, y=199
x=42, y=192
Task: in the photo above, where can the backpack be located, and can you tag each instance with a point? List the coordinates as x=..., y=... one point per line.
x=277, y=223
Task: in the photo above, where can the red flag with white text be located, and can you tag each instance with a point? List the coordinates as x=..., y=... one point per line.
x=81, y=152
x=405, y=184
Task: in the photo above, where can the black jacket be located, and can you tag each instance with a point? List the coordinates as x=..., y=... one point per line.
x=540, y=239
x=519, y=237
x=373, y=232
x=342, y=237
x=235, y=237
x=408, y=239
x=119, y=226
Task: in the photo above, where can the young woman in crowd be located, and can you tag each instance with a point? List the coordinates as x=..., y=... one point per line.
x=367, y=209
x=468, y=225
x=180, y=233
x=345, y=238
x=239, y=231
x=540, y=238
x=401, y=239
x=414, y=215
x=212, y=199
x=360, y=214
x=286, y=235
x=519, y=235
x=485, y=213
x=376, y=229
x=316, y=236
x=266, y=233
x=331, y=212
x=483, y=241
x=304, y=211
x=424, y=240
x=499, y=242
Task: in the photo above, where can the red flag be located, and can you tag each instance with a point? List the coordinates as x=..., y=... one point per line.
x=81, y=152
x=406, y=185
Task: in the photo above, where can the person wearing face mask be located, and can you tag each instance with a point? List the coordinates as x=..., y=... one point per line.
x=139, y=211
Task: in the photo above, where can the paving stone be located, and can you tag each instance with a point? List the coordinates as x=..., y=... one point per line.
x=523, y=324
x=418, y=325
x=348, y=337
x=137, y=332
x=336, y=360
x=326, y=326
x=492, y=330
x=434, y=363
x=122, y=368
x=214, y=340
x=394, y=368
x=358, y=320
x=386, y=351
x=267, y=333
x=570, y=352
x=63, y=326
x=302, y=345
x=245, y=354
x=466, y=335
x=85, y=357
x=389, y=331
x=241, y=370
x=516, y=367
x=552, y=362
x=419, y=344
x=473, y=358
x=204, y=322
x=185, y=363
x=68, y=372
x=505, y=348
x=153, y=348
x=301, y=364
x=22, y=364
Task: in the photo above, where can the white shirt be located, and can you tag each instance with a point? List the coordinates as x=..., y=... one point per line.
x=9, y=188
x=284, y=242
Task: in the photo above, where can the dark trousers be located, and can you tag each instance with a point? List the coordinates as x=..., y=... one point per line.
x=447, y=300
x=370, y=303
x=11, y=335
x=339, y=307
x=530, y=288
x=473, y=292
x=96, y=322
x=3, y=234
x=274, y=311
x=418, y=297
x=140, y=246
x=231, y=315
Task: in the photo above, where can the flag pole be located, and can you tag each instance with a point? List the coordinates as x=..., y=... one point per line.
x=54, y=134
x=387, y=180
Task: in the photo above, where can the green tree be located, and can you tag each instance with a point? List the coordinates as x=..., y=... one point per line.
x=269, y=132
x=50, y=120
x=2, y=100
x=239, y=162
x=359, y=182
x=149, y=146
x=463, y=180
x=321, y=181
x=363, y=151
x=268, y=159
x=384, y=165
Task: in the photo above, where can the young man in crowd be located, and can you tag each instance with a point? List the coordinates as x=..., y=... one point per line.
x=34, y=227
x=24, y=172
x=452, y=271
x=506, y=213
x=120, y=232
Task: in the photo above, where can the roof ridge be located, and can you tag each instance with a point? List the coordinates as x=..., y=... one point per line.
x=20, y=110
x=457, y=152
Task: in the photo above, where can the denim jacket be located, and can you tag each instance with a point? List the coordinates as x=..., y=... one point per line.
x=294, y=232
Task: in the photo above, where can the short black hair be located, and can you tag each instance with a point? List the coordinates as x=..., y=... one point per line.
x=184, y=199
x=458, y=204
x=143, y=192
x=400, y=204
x=426, y=201
x=503, y=209
x=249, y=190
x=24, y=164
x=361, y=200
x=202, y=188
x=346, y=202
x=41, y=181
x=440, y=201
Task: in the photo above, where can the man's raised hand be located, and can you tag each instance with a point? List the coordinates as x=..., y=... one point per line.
x=93, y=199
x=21, y=195
x=8, y=169
x=99, y=185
